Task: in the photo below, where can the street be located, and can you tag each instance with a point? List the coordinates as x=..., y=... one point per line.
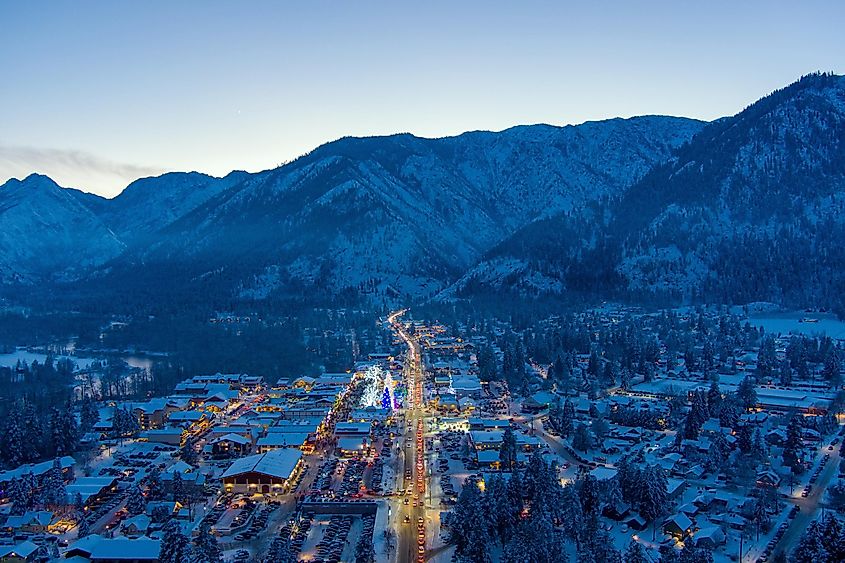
x=411, y=519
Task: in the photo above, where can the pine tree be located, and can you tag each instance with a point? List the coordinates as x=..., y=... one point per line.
x=175, y=547
x=12, y=441
x=82, y=525
x=188, y=452
x=567, y=419
x=136, y=503
x=34, y=433
x=744, y=439
x=746, y=393
x=810, y=548
x=714, y=399
x=54, y=493
x=18, y=497
x=582, y=439
x=206, y=549
x=153, y=479
x=635, y=553
x=508, y=450
x=89, y=415
x=178, y=488
x=655, y=494
x=793, y=445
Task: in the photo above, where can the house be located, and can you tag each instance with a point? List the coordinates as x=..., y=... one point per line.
x=476, y=423
x=352, y=446
x=23, y=551
x=676, y=487
x=32, y=521
x=616, y=511
x=768, y=478
x=488, y=458
x=172, y=436
x=38, y=470
x=136, y=526
x=267, y=473
x=91, y=489
x=98, y=549
x=278, y=440
x=466, y=386
x=230, y=445
x=678, y=526
x=709, y=537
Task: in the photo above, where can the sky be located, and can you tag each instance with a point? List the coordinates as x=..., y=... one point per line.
x=97, y=94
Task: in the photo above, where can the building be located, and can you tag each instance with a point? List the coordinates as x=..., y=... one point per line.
x=98, y=549
x=280, y=440
x=230, y=445
x=266, y=473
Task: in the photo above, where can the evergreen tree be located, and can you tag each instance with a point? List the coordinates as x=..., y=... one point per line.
x=12, y=441
x=582, y=439
x=89, y=415
x=744, y=440
x=18, y=497
x=206, y=549
x=508, y=450
x=714, y=399
x=136, y=503
x=746, y=393
x=54, y=493
x=178, y=488
x=188, y=452
x=635, y=553
x=34, y=432
x=82, y=526
x=793, y=445
x=655, y=494
x=175, y=546
x=810, y=548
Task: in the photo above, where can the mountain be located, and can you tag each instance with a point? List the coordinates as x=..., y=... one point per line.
x=45, y=228
x=396, y=215
x=749, y=209
x=165, y=199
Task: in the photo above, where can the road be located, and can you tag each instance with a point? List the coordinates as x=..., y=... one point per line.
x=411, y=517
x=809, y=505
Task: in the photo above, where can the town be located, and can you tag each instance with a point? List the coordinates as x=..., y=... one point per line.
x=613, y=434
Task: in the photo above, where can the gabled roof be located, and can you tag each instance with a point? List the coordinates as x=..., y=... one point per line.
x=276, y=463
x=236, y=438
x=22, y=550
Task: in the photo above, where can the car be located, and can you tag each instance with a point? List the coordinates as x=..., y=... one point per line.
x=406, y=520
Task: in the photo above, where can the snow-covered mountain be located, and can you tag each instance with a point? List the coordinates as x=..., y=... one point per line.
x=167, y=198
x=745, y=208
x=401, y=214
x=396, y=215
x=750, y=209
x=44, y=228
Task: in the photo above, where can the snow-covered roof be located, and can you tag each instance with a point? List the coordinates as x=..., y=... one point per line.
x=36, y=469
x=276, y=463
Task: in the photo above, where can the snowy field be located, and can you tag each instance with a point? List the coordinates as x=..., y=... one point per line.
x=791, y=322
x=10, y=360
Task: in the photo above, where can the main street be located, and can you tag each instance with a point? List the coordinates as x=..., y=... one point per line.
x=411, y=517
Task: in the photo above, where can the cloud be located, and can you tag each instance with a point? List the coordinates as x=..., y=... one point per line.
x=73, y=169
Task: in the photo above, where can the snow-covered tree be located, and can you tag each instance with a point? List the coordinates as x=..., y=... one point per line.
x=175, y=546
x=206, y=549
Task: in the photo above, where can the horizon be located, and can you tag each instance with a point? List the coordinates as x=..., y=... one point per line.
x=23, y=178
x=105, y=95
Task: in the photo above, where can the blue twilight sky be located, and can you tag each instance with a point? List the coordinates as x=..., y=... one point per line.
x=96, y=94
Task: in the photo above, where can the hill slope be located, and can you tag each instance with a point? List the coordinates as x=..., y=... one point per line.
x=750, y=209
